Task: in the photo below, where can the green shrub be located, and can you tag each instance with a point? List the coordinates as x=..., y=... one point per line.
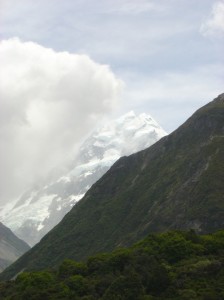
x=70, y=267
x=77, y=284
x=124, y=288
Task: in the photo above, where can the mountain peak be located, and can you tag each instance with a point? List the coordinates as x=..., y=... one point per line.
x=214, y=103
x=130, y=114
x=39, y=209
x=175, y=184
x=220, y=98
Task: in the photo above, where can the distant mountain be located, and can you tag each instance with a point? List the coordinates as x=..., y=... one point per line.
x=175, y=184
x=41, y=208
x=11, y=248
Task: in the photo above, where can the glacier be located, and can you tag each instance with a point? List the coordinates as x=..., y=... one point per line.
x=42, y=207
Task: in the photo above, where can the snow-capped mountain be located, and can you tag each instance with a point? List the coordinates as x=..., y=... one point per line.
x=41, y=208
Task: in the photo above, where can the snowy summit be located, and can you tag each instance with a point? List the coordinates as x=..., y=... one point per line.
x=40, y=209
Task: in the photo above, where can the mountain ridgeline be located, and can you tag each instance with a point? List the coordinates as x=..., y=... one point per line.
x=175, y=184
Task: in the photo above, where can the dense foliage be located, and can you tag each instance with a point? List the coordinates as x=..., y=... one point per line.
x=171, y=265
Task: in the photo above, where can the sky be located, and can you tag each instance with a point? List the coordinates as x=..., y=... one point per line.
x=68, y=64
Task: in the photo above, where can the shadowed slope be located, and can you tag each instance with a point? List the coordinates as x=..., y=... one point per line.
x=176, y=183
x=11, y=247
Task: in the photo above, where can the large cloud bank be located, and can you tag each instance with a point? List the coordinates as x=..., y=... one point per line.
x=48, y=102
x=214, y=26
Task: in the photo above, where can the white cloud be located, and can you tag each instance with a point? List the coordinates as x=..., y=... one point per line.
x=214, y=26
x=48, y=102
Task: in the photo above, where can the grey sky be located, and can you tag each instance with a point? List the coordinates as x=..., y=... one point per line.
x=168, y=53
x=146, y=43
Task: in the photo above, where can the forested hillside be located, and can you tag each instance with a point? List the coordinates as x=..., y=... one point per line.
x=175, y=184
x=172, y=265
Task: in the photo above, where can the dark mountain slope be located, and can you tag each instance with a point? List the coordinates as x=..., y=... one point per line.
x=177, y=183
x=11, y=247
